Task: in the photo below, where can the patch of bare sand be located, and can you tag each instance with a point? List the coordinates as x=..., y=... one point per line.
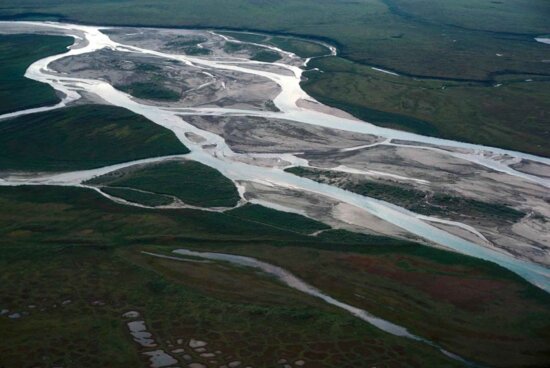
x=195, y=138
x=462, y=233
x=316, y=106
x=359, y=218
x=269, y=135
x=533, y=168
x=336, y=214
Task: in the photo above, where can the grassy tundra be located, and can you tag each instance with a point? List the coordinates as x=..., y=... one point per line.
x=478, y=43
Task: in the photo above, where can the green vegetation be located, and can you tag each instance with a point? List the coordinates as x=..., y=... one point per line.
x=460, y=39
x=423, y=202
x=498, y=16
x=140, y=197
x=376, y=242
x=184, y=41
x=258, y=324
x=266, y=56
x=146, y=67
x=442, y=205
x=299, y=47
x=435, y=298
x=72, y=244
x=278, y=219
x=189, y=45
x=454, y=40
x=232, y=47
x=17, y=53
x=190, y=181
x=246, y=37
x=82, y=137
x=150, y=91
x=270, y=106
x=197, y=51
x=512, y=115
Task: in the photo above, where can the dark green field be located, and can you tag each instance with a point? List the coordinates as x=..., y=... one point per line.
x=50, y=255
x=82, y=137
x=278, y=219
x=17, y=52
x=190, y=181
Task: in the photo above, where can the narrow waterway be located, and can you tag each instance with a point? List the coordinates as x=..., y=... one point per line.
x=296, y=283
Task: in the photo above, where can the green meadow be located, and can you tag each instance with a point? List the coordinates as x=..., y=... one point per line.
x=72, y=244
x=17, y=53
x=508, y=112
x=82, y=137
x=191, y=182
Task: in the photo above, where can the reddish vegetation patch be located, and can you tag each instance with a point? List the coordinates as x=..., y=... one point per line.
x=465, y=289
